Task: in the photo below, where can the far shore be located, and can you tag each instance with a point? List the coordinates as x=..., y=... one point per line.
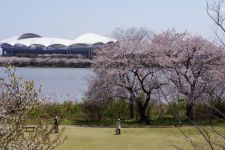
x=47, y=62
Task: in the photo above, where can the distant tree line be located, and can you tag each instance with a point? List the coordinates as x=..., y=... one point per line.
x=73, y=61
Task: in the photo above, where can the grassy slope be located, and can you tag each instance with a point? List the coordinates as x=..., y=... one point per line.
x=80, y=138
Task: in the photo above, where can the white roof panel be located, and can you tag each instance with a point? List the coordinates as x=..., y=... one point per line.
x=10, y=41
x=91, y=38
x=88, y=38
x=44, y=41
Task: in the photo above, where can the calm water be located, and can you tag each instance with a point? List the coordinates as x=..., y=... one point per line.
x=59, y=83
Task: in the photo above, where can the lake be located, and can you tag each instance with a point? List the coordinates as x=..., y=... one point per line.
x=58, y=83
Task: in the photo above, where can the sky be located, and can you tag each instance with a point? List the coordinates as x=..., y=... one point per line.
x=71, y=18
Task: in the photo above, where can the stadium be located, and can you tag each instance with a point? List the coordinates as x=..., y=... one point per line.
x=35, y=44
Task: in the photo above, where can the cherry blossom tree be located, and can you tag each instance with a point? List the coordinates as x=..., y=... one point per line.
x=187, y=61
x=214, y=97
x=143, y=64
x=97, y=96
x=131, y=64
x=17, y=99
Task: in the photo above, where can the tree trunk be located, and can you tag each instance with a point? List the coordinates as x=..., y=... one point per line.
x=131, y=107
x=99, y=116
x=147, y=115
x=141, y=110
x=142, y=115
x=189, y=110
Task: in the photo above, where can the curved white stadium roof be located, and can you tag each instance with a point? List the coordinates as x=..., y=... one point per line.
x=10, y=40
x=88, y=38
x=43, y=41
x=91, y=38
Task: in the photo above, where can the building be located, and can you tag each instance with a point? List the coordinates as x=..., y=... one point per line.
x=31, y=43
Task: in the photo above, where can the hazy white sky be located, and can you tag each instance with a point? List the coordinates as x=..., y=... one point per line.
x=71, y=18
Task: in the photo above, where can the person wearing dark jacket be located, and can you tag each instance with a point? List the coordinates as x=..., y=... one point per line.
x=56, y=124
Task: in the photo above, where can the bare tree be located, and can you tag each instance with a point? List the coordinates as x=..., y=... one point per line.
x=215, y=11
x=17, y=99
x=209, y=137
x=212, y=137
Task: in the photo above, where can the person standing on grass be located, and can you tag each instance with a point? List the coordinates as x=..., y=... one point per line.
x=56, y=124
x=178, y=121
x=118, y=127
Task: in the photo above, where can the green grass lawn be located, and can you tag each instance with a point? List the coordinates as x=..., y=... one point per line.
x=85, y=138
